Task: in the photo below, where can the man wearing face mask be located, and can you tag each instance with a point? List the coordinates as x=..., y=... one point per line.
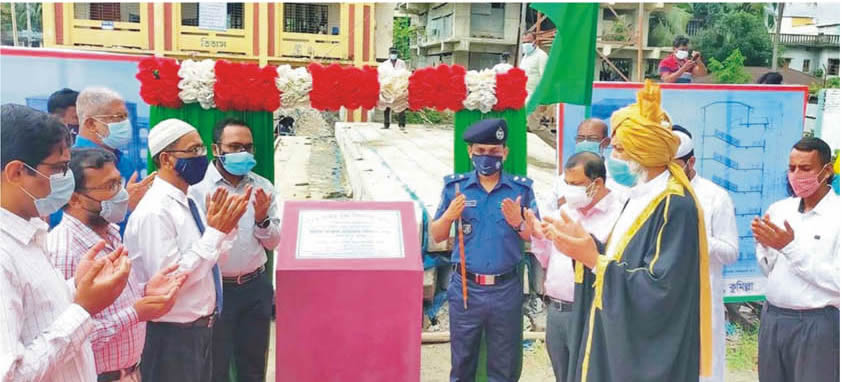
x=167, y=228
x=681, y=66
x=62, y=104
x=592, y=135
x=388, y=68
x=591, y=203
x=722, y=237
x=532, y=63
x=491, y=205
x=99, y=201
x=45, y=321
x=243, y=329
x=104, y=122
x=798, y=250
x=642, y=308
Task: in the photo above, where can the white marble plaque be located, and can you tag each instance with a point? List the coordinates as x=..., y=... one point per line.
x=349, y=234
x=213, y=16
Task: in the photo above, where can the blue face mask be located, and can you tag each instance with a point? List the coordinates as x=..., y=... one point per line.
x=119, y=134
x=487, y=164
x=588, y=146
x=61, y=188
x=620, y=171
x=238, y=163
x=527, y=48
x=192, y=170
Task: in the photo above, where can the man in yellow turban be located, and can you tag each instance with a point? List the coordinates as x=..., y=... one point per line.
x=642, y=298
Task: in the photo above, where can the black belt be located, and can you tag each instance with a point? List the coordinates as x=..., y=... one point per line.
x=486, y=280
x=244, y=278
x=561, y=306
x=800, y=313
x=202, y=322
x=110, y=376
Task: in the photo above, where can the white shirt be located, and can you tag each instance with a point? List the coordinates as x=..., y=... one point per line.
x=805, y=273
x=386, y=68
x=723, y=249
x=43, y=334
x=559, y=283
x=639, y=197
x=502, y=67
x=248, y=251
x=160, y=232
x=533, y=64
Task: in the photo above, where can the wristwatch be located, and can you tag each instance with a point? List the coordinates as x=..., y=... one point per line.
x=263, y=224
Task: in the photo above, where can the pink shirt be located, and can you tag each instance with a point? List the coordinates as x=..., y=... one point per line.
x=118, y=337
x=598, y=221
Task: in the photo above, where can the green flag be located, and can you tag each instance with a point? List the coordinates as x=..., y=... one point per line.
x=568, y=76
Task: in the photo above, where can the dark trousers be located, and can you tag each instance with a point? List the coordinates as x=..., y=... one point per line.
x=798, y=346
x=497, y=310
x=559, y=351
x=242, y=331
x=387, y=118
x=176, y=354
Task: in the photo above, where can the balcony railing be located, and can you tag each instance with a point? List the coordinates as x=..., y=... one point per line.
x=822, y=40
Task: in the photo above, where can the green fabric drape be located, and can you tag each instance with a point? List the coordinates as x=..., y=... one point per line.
x=260, y=122
x=515, y=164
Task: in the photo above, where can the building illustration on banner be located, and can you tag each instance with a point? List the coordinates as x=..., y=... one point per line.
x=742, y=140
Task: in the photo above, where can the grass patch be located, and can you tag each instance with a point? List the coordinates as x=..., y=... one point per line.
x=429, y=116
x=741, y=350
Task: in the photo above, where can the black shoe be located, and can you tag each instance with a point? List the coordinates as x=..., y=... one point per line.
x=385, y=127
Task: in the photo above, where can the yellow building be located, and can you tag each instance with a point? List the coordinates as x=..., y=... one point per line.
x=265, y=33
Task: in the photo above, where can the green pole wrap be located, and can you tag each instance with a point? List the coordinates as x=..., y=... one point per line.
x=515, y=164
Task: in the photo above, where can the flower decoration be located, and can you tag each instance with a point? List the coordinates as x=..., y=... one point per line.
x=294, y=86
x=159, y=81
x=245, y=87
x=394, y=91
x=327, y=81
x=511, y=89
x=361, y=88
x=442, y=87
x=480, y=86
x=197, y=80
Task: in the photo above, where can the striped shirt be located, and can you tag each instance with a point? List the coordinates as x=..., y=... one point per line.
x=118, y=337
x=43, y=334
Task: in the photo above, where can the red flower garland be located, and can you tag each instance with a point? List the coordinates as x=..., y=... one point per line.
x=245, y=87
x=159, y=81
x=511, y=89
x=335, y=86
x=442, y=87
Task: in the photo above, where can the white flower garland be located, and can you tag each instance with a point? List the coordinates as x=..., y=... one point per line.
x=196, y=84
x=295, y=85
x=481, y=90
x=394, y=91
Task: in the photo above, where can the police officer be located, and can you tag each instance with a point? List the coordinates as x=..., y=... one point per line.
x=492, y=206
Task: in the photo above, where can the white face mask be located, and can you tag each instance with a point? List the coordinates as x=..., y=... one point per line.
x=577, y=197
x=681, y=54
x=393, y=56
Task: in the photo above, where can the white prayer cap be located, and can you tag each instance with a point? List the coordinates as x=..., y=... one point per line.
x=165, y=133
x=686, y=145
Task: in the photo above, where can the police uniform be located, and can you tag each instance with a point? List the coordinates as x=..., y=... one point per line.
x=493, y=251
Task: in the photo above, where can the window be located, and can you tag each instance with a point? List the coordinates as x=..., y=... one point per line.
x=805, y=66
x=607, y=73
x=306, y=18
x=488, y=20
x=235, y=15
x=833, y=66
x=119, y=12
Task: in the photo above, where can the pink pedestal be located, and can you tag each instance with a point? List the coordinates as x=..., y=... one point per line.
x=348, y=319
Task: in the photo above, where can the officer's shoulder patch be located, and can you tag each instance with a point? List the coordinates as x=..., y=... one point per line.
x=522, y=180
x=452, y=178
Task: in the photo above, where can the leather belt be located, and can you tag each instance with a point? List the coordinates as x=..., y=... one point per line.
x=244, y=278
x=202, y=322
x=110, y=376
x=561, y=306
x=486, y=280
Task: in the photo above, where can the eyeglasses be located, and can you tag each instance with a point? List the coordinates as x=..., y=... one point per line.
x=589, y=138
x=112, y=187
x=238, y=148
x=196, y=151
x=55, y=168
x=110, y=118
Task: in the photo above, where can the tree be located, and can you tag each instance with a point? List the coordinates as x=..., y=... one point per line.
x=730, y=70
x=739, y=30
x=665, y=26
x=402, y=34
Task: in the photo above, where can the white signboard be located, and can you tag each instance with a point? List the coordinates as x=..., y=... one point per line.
x=349, y=234
x=213, y=16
